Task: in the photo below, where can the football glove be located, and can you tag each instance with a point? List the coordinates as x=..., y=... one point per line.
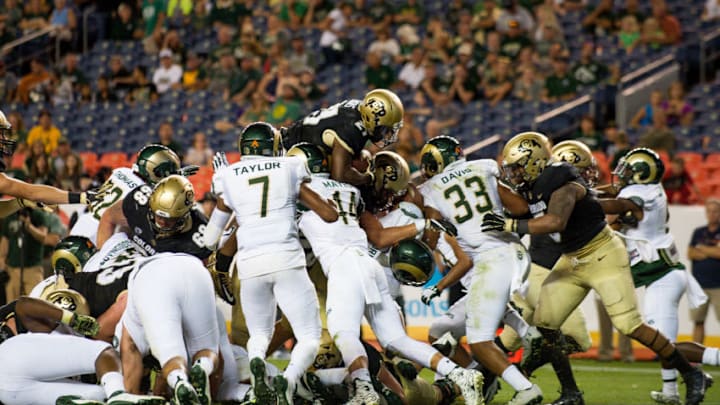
x=495, y=222
x=441, y=225
x=85, y=325
x=628, y=219
x=189, y=170
x=428, y=294
x=220, y=161
x=87, y=197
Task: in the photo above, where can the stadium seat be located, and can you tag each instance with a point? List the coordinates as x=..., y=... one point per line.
x=90, y=161
x=114, y=159
x=233, y=157
x=689, y=157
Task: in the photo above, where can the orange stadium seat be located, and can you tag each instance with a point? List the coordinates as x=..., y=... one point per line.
x=233, y=157
x=90, y=161
x=114, y=159
x=690, y=157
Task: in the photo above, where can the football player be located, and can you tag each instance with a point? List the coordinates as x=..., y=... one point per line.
x=593, y=257
x=37, y=367
x=346, y=127
x=357, y=286
x=263, y=190
x=462, y=191
x=154, y=162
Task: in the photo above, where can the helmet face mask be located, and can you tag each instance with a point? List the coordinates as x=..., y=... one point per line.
x=639, y=166
x=71, y=254
x=524, y=158
x=155, y=162
x=438, y=153
x=170, y=205
x=315, y=158
x=260, y=139
x=382, y=113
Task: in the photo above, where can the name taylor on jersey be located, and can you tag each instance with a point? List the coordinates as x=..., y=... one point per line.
x=255, y=168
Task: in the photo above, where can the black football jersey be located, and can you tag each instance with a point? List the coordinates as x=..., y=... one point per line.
x=99, y=289
x=342, y=118
x=136, y=209
x=587, y=218
x=544, y=251
x=6, y=313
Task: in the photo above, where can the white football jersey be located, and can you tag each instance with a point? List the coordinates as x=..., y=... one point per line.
x=329, y=240
x=263, y=192
x=117, y=256
x=463, y=193
x=652, y=232
x=405, y=214
x=116, y=187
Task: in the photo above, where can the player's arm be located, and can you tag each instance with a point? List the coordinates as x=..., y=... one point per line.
x=382, y=237
x=215, y=226
x=513, y=202
x=312, y=200
x=111, y=218
x=132, y=363
x=623, y=206
x=342, y=169
x=110, y=318
x=431, y=237
x=462, y=266
x=40, y=316
x=39, y=192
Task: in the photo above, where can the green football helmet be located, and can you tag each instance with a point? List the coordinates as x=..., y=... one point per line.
x=438, y=153
x=155, y=162
x=315, y=158
x=639, y=166
x=71, y=254
x=412, y=262
x=260, y=139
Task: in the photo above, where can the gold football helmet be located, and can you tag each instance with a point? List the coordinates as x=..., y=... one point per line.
x=579, y=155
x=68, y=299
x=170, y=205
x=328, y=354
x=382, y=113
x=7, y=144
x=392, y=176
x=524, y=158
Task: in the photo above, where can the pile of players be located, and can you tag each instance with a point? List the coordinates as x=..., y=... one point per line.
x=311, y=222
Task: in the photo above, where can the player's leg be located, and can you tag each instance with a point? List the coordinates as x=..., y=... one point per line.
x=698, y=316
x=447, y=330
x=661, y=301
x=230, y=389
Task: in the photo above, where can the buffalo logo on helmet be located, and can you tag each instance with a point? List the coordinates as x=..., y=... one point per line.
x=378, y=108
x=65, y=302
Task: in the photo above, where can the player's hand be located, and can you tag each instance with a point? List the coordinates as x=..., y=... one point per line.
x=441, y=225
x=495, y=222
x=25, y=203
x=87, y=197
x=220, y=161
x=428, y=294
x=189, y=170
x=85, y=325
x=628, y=219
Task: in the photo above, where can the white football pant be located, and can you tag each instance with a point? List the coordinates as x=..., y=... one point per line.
x=452, y=321
x=86, y=226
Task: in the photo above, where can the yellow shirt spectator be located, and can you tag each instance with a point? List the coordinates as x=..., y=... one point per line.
x=48, y=133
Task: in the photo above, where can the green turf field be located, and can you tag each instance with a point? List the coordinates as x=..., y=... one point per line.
x=613, y=383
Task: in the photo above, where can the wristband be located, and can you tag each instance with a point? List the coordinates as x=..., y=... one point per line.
x=66, y=317
x=522, y=226
x=74, y=197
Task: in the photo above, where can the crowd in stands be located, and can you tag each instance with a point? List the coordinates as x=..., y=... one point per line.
x=262, y=61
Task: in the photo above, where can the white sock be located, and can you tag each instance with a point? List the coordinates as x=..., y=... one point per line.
x=206, y=364
x=112, y=382
x=473, y=365
x=515, y=321
x=332, y=376
x=711, y=356
x=360, y=374
x=175, y=376
x=445, y=366
x=516, y=379
x=669, y=377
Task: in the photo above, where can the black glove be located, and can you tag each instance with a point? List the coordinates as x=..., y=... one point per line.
x=442, y=225
x=628, y=219
x=220, y=161
x=189, y=170
x=494, y=222
x=87, y=197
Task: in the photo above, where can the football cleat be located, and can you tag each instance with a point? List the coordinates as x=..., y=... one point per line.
x=390, y=397
x=491, y=385
x=283, y=390
x=184, y=394
x=124, y=398
x=662, y=398
x=76, y=400
x=321, y=394
x=569, y=398
x=445, y=344
x=470, y=383
x=258, y=379
x=530, y=396
x=696, y=383
x=201, y=382
x=364, y=394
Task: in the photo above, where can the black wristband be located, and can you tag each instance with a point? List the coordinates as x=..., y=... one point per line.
x=73, y=197
x=222, y=262
x=522, y=226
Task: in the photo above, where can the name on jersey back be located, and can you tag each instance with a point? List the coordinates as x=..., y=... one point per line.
x=258, y=167
x=455, y=174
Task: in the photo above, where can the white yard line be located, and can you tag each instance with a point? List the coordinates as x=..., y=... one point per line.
x=712, y=371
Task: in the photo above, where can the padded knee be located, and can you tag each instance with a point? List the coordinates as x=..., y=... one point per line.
x=349, y=346
x=627, y=322
x=411, y=349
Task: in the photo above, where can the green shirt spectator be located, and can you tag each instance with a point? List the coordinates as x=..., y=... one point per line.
x=410, y=12
x=244, y=77
x=153, y=12
x=285, y=109
x=228, y=12
x=560, y=85
x=29, y=252
x=381, y=77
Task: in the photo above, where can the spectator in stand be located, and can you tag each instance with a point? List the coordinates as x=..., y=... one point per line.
x=168, y=75
x=173, y=43
x=410, y=134
x=668, y=23
x=493, y=43
x=644, y=116
x=409, y=12
x=223, y=74
x=678, y=184
x=299, y=57
x=121, y=79
x=37, y=151
x=525, y=61
x=199, y=153
x=433, y=85
x=464, y=85
x=285, y=110
x=71, y=73
x=245, y=82
x=528, y=87
x=124, y=26
x=59, y=157
x=514, y=40
x=35, y=16
x=464, y=34
x=271, y=83
x=600, y=21
x=69, y=177
x=45, y=131
x=551, y=35
x=589, y=135
x=409, y=40
x=40, y=173
x=561, y=84
x=704, y=251
x=511, y=10
x=632, y=7
x=194, y=76
x=629, y=34
x=711, y=12
x=12, y=14
x=445, y=114
x=588, y=71
x=380, y=13
x=677, y=109
x=103, y=94
x=227, y=12
x=143, y=90
x=153, y=13
x=8, y=84
x=334, y=43
x=571, y=5
x=31, y=87
x=544, y=63
x=659, y=137
x=224, y=44
x=546, y=13
x=485, y=16
x=377, y=75
x=454, y=9
x=200, y=18
x=258, y=110
x=498, y=82
x=63, y=18
x=386, y=46
x=309, y=88
x=165, y=138
x=437, y=40
x=413, y=73
x=19, y=132
x=276, y=33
